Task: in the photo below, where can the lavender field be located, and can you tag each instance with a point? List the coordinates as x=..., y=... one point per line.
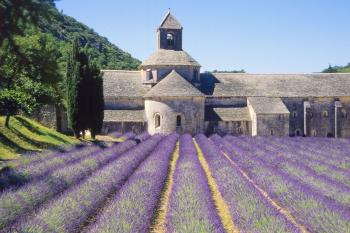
x=177, y=183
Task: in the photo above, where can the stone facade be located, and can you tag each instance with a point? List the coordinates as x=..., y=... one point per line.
x=169, y=94
x=190, y=111
x=176, y=97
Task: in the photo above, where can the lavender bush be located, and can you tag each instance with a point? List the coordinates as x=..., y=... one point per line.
x=131, y=210
x=14, y=204
x=71, y=210
x=317, y=212
x=26, y=173
x=191, y=208
x=250, y=211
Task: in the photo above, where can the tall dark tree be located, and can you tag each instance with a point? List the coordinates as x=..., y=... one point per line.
x=85, y=102
x=96, y=111
x=73, y=82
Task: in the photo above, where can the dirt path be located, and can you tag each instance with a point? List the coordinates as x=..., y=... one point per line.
x=219, y=201
x=285, y=212
x=159, y=224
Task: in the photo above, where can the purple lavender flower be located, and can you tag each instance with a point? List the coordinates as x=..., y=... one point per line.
x=191, y=208
x=132, y=208
x=70, y=211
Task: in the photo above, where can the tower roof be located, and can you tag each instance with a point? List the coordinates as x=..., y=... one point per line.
x=170, y=22
x=174, y=85
x=170, y=57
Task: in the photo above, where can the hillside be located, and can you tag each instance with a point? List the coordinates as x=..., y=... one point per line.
x=25, y=135
x=103, y=52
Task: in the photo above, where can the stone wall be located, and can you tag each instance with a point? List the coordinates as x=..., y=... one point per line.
x=123, y=103
x=272, y=125
x=296, y=117
x=191, y=110
x=222, y=128
x=124, y=127
x=52, y=117
x=343, y=118
x=46, y=116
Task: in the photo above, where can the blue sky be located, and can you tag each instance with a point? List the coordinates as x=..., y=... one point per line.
x=260, y=36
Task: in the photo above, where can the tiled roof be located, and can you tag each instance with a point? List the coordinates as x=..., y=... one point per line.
x=174, y=85
x=266, y=105
x=170, y=57
x=275, y=85
x=170, y=22
x=121, y=83
x=124, y=116
x=227, y=114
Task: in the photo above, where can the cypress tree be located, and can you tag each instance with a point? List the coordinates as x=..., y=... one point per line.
x=84, y=85
x=96, y=101
x=84, y=92
x=73, y=82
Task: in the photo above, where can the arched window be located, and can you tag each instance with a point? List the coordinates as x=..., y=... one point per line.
x=294, y=114
x=325, y=113
x=157, y=120
x=178, y=121
x=148, y=74
x=170, y=39
x=297, y=132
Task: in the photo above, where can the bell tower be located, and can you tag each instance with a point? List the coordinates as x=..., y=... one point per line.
x=169, y=33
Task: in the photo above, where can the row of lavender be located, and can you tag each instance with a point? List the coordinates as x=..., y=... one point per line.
x=119, y=189
x=45, y=178
x=283, y=169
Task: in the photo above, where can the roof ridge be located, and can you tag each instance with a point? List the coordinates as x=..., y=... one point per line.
x=130, y=71
x=173, y=85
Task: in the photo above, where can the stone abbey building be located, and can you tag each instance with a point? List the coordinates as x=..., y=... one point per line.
x=170, y=94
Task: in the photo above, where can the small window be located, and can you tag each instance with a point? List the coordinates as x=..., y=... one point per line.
x=178, y=121
x=148, y=74
x=239, y=130
x=297, y=132
x=157, y=120
x=170, y=39
x=281, y=117
x=325, y=113
x=294, y=114
x=272, y=132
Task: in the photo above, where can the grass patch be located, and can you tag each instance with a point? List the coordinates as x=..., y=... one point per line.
x=26, y=135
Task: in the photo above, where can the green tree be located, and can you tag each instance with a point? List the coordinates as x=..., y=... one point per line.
x=17, y=16
x=73, y=80
x=28, y=85
x=84, y=87
x=96, y=101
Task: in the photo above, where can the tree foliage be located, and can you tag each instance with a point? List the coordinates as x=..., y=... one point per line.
x=337, y=69
x=102, y=52
x=84, y=85
x=28, y=67
x=18, y=15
